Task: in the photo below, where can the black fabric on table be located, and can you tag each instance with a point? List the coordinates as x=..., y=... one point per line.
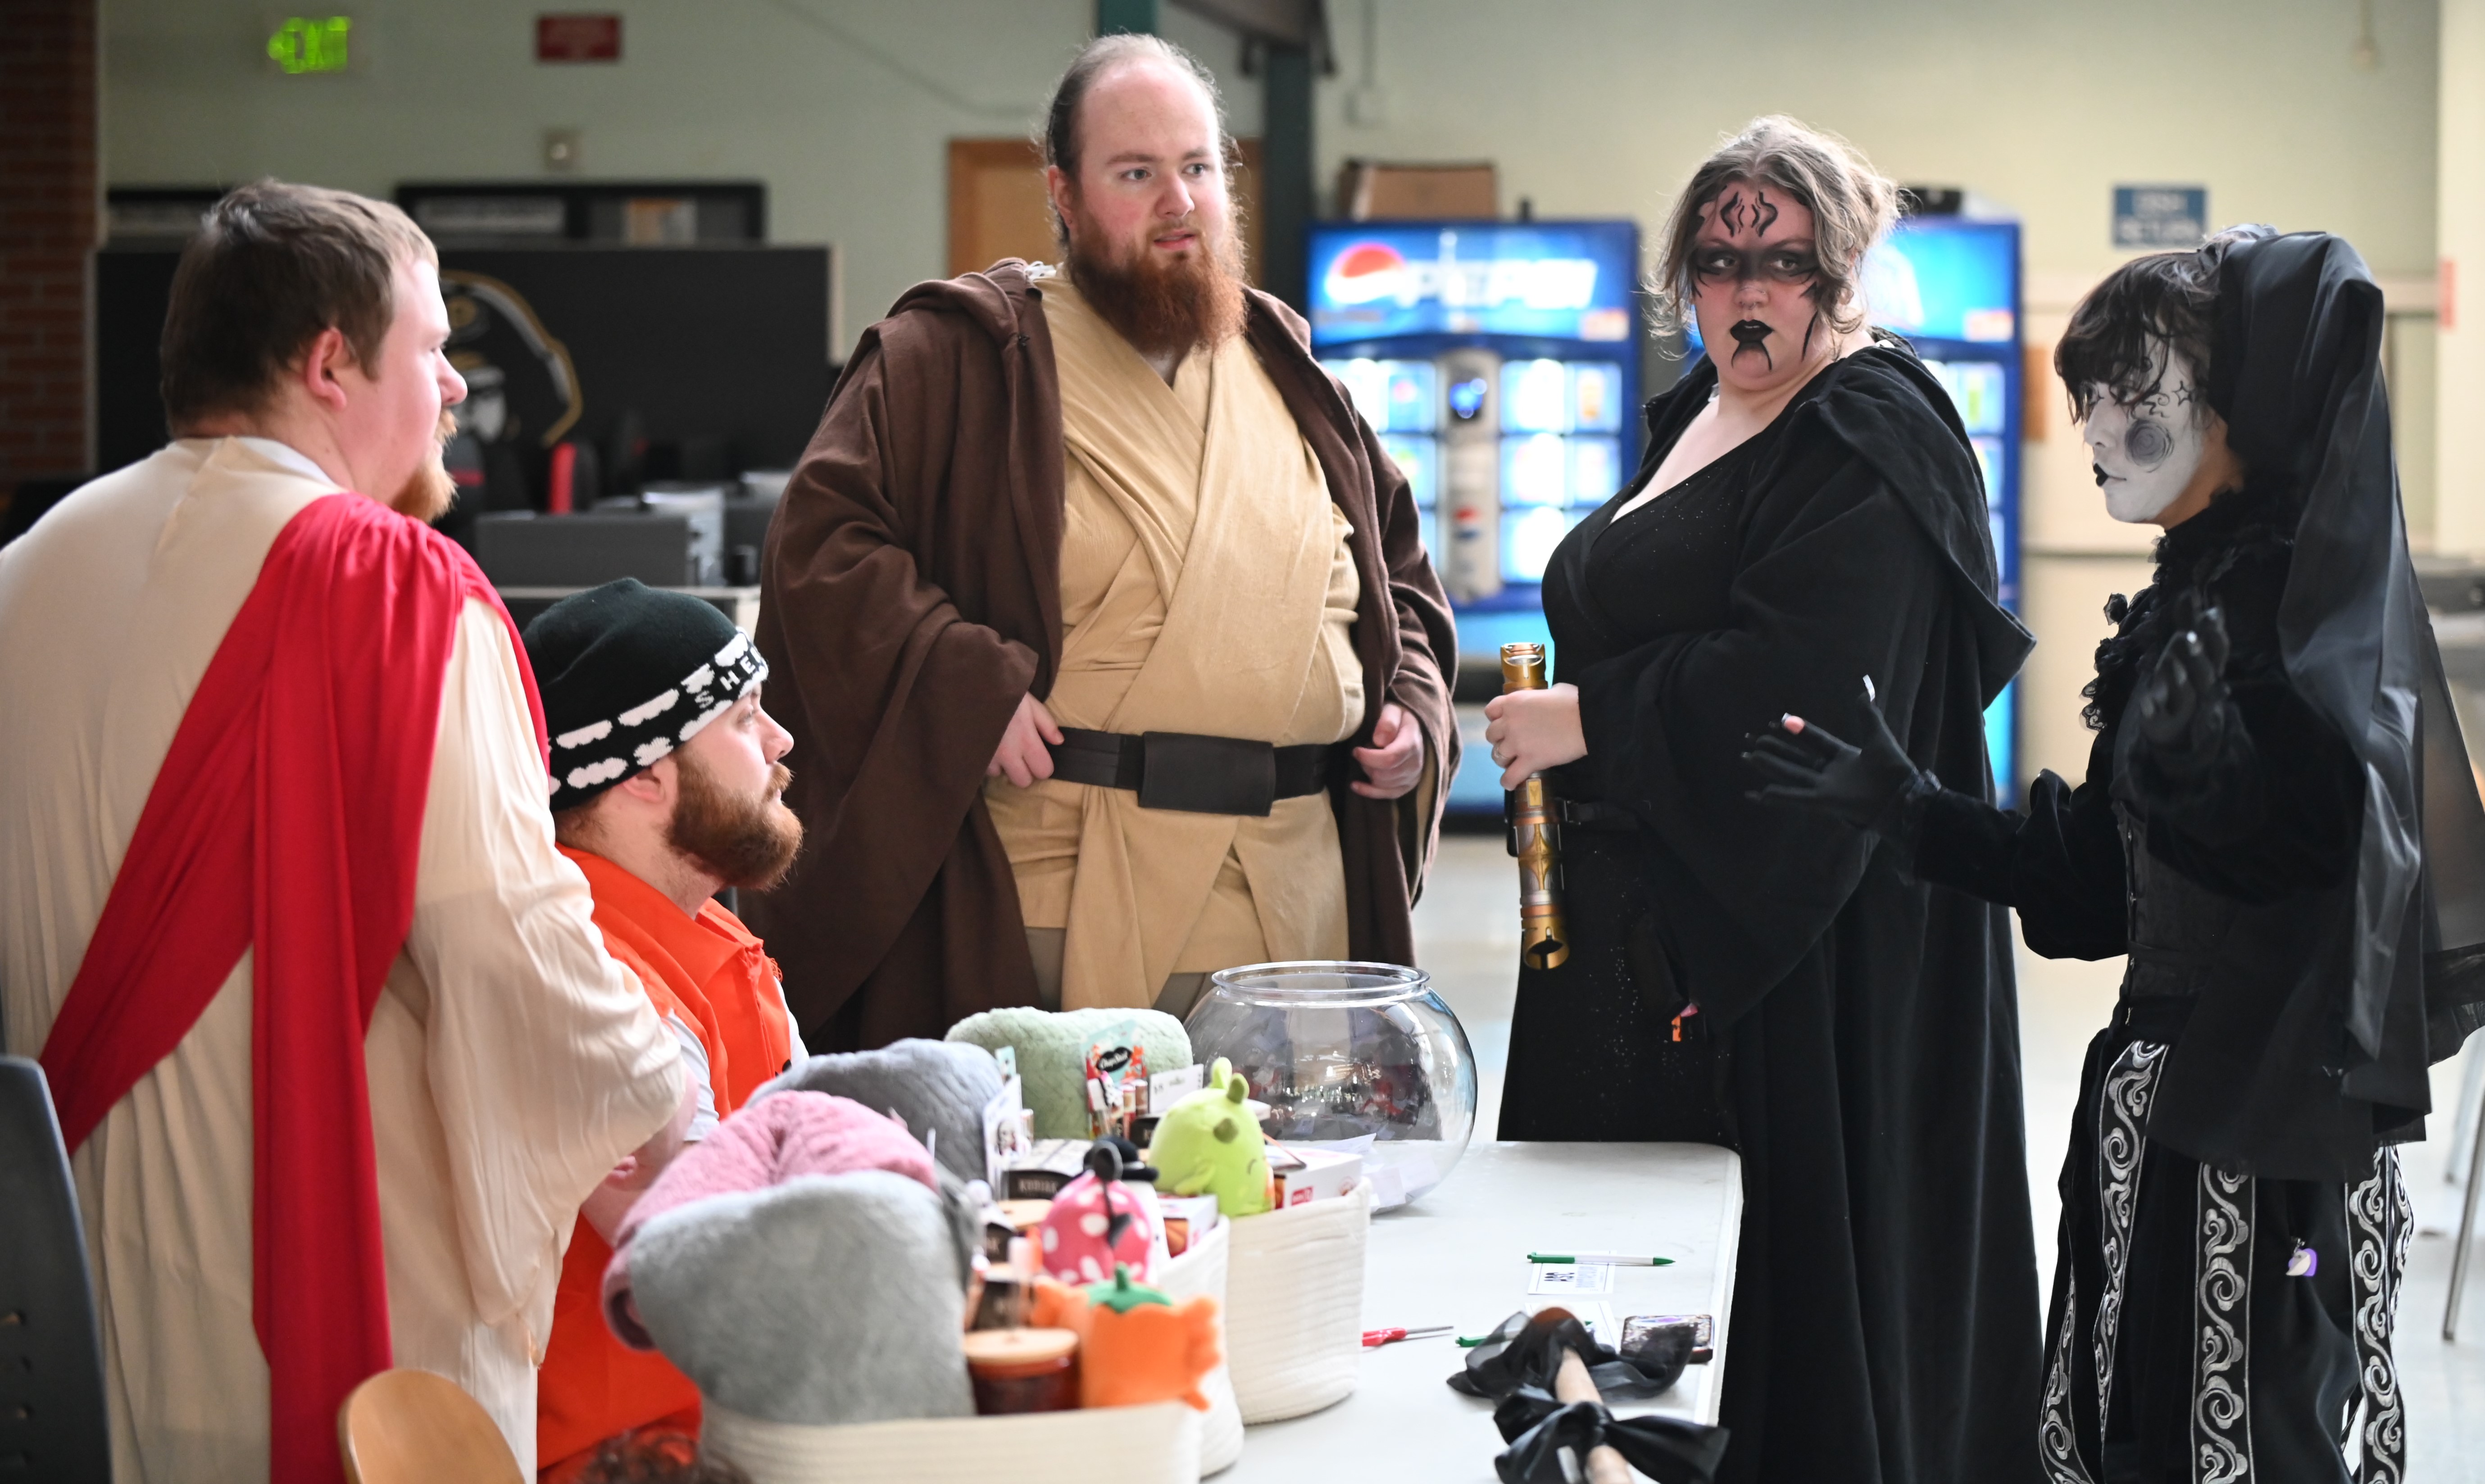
x=1864, y=1026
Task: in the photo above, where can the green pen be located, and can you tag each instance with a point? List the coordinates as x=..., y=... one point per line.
x=1605, y=1260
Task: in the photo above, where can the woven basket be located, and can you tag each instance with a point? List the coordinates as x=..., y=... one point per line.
x=1158, y=1444
x=1167, y=1442
x=1294, y=1311
x=1201, y=1271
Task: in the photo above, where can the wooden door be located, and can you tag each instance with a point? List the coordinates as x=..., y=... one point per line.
x=998, y=207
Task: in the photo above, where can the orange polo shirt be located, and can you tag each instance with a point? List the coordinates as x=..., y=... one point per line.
x=712, y=975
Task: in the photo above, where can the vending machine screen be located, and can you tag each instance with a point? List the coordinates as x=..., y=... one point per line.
x=1561, y=455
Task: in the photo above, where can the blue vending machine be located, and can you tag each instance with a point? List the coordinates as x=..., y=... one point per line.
x=1951, y=285
x=1499, y=362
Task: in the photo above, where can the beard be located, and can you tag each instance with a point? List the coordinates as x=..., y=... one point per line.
x=428, y=491
x=749, y=840
x=1162, y=307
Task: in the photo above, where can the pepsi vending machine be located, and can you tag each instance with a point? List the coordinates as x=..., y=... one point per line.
x=1951, y=285
x=1499, y=363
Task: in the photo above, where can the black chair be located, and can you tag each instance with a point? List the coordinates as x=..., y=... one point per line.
x=51, y=1361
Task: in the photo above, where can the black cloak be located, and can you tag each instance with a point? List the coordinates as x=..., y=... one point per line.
x=2395, y=984
x=1885, y=1323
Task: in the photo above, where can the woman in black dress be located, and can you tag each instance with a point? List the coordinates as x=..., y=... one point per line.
x=2252, y=831
x=1810, y=512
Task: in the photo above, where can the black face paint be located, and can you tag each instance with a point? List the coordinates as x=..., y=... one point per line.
x=1739, y=216
x=1751, y=335
x=1783, y=262
x=2148, y=443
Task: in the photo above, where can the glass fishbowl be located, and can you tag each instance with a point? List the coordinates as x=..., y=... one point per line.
x=1359, y=1056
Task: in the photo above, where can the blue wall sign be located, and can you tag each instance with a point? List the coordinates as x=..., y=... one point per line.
x=2160, y=216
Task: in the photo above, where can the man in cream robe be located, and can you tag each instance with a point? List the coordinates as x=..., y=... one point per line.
x=510, y=1061
x=1207, y=586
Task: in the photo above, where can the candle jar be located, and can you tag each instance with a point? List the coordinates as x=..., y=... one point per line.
x=1023, y=1370
x=1341, y=1052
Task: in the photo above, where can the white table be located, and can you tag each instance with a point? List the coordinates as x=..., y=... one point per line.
x=1459, y=1257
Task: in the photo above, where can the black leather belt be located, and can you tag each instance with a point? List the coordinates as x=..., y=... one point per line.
x=2167, y=973
x=1192, y=774
x=1582, y=814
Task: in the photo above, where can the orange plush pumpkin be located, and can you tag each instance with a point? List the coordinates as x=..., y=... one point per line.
x=1136, y=1345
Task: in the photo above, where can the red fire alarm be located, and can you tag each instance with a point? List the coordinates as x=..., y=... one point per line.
x=577, y=38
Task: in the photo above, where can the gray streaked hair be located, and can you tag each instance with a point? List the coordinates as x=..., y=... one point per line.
x=1853, y=207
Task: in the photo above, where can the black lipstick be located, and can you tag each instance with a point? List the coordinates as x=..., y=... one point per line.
x=1751, y=335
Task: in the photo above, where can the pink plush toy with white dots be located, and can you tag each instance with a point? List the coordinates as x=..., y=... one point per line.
x=1099, y=1220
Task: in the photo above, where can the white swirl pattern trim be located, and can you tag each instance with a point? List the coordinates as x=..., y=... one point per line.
x=2222, y=1447
x=2122, y=1116
x=2122, y=1119
x=2379, y=1222
x=2057, y=1441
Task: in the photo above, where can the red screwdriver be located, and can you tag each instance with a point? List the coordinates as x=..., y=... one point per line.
x=1374, y=1339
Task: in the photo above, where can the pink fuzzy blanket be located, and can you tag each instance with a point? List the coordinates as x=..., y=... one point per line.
x=767, y=1142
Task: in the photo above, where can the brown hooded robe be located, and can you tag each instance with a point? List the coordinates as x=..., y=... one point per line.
x=911, y=593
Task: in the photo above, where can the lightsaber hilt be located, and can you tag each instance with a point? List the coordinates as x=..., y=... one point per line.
x=1534, y=835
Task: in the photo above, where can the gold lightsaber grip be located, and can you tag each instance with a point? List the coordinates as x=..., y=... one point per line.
x=1535, y=836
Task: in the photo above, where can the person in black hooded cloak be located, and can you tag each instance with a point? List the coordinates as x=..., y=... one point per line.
x=1808, y=510
x=2279, y=828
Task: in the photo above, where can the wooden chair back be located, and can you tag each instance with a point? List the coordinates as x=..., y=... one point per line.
x=414, y=1427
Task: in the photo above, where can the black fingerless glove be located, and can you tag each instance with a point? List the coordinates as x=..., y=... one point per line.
x=1874, y=787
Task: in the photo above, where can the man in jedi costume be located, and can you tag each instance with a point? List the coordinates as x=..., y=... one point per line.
x=665, y=790
x=1102, y=622
x=2280, y=828
x=334, y=1045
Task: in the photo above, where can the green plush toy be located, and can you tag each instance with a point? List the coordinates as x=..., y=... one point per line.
x=1053, y=1054
x=1210, y=1144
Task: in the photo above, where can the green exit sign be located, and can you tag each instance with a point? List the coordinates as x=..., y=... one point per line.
x=311, y=44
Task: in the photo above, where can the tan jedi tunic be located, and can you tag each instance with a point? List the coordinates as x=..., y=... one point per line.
x=512, y=1061
x=1207, y=586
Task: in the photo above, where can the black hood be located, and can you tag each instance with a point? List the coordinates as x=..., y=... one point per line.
x=2296, y=374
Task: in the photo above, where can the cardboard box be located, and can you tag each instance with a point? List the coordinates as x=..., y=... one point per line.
x=1306, y=1175
x=1380, y=191
x=1039, y=1173
x=1186, y=1219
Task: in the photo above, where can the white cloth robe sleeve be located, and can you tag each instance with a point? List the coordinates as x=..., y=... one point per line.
x=540, y=1060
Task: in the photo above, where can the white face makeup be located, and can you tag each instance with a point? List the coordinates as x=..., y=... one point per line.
x=2146, y=452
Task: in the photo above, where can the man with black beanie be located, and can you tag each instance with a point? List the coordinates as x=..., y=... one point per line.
x=666, y=790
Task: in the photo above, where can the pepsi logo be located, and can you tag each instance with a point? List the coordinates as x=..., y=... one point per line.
x=1365, y=273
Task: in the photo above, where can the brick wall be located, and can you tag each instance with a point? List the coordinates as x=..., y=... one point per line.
x=49, y=204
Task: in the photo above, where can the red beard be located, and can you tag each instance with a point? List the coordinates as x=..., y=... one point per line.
x=1162, y=306
x=428, y=491
x=750, y=842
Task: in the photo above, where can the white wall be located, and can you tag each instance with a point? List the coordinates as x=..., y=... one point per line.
x=1592, y=107
x=842, y=108
x=2461, y=432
